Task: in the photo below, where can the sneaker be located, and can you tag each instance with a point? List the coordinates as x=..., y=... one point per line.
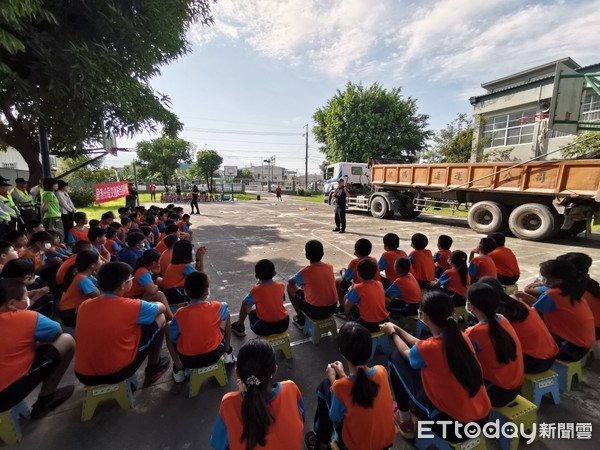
x=342, y=231
x=229, y=358
x=44, y=405
x=406, y=429
x=238, y=329
x=154, y=373
x=336, y=230
x=310, y=441
x=299, y=321
x=178, y=376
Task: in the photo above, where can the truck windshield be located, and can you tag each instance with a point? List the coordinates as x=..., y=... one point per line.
x=329, y=173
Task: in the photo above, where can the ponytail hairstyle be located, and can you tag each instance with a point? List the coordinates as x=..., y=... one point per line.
x=255, y=368
x=459, y=259
x=83, y=261
x=512, y=309
x=486, y=299
x=463, y=364
x=573, y=281
x=582, y=263
x=354, y=342
x=147, y=259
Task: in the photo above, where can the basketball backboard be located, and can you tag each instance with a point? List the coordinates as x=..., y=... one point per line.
x=565, y=105
x=230, y=171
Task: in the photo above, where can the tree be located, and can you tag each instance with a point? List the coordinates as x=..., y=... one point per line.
x=584, y=146
x=87, y=71
x=207, y=162
x=164, y=155
x=244, y=174
x=323, y=168
x=454, y=143
x=14, y=14
x=360, y=123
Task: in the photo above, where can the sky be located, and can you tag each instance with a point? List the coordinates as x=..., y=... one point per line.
x=254, y=78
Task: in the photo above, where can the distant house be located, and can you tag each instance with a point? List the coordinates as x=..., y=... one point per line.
x=12, y=165
x=515, y=112
x=261, y=173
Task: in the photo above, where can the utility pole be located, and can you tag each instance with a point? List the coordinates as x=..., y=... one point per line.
x=306, y=161
x=45, y=154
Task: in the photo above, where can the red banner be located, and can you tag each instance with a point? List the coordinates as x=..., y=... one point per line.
x=110, y=191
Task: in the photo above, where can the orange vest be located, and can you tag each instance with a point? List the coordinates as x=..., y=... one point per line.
x=137, y=290
x=17, y=347
x=409, y=286
x=505, y=261
x=422, y=266
x=594, y=304
x=372, y=301
x=64, y=268
x=390, y=257
x=536, y=340
x=455, y=282
x=485, y=265
x=72, y=298
x=165, y=260
x=174, y=277
x=442, y=258
x=268, y=299
x=199, y=325
x=319, y=284
x=353, y=266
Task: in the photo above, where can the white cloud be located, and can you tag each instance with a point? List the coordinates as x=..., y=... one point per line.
x=464, y=41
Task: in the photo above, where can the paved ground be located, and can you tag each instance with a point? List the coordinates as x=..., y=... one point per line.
x=239, y=234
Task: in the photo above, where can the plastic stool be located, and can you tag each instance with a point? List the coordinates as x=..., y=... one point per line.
x=477, y=443
x=319, y=328
x=200, y=375
x=519, y=411
x=10, y=428
x=379, y=339
x=461, y=313
x=510, y=289
x=566, y=372
x=414, y=326
x=537, y=385
x=94, y=395
x=281, y=342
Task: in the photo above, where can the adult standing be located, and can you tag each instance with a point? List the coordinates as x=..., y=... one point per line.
x=131, y=199
x=153, y=192
x=23, y=199
x=36, y=194
x=51, y=208
x=195, y=192
x=67, y=208
x=278, y=193
x=340, y=195
x=9, y=204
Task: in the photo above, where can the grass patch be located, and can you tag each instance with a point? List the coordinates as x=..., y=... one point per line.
x=243, y=197
x=96, y=211
x=313, y=198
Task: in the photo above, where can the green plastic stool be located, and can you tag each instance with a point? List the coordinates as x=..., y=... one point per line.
x=200, y=375
x=461, y=313
x=510, y=289
x=536, y=385
x=281, y=342
x=319, y=328
x=566, y=372
x=94, y=395
x=519, y=411
x=10, y=429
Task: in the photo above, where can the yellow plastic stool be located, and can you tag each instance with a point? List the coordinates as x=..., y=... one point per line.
x=319, y=328
x=10, y=429
x=537, y=385
x=566, y=372
x=200, y=375
x=461, y=313
x=510, y=289
x=519, y=411
x=281, y=342
x=477, y=443
x=121, y=392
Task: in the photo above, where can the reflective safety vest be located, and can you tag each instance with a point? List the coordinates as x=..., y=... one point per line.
x=8, y=201
x=27, y=198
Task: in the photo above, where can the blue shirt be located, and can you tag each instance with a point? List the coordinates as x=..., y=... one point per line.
x=87, y=285
x=545, y=303
x=129, y=256
x=45, y=330
x=298, y=279
x=353, y=296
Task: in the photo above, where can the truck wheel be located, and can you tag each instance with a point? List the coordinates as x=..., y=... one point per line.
x=532, y=221
x=380, y=208
x=487, y=217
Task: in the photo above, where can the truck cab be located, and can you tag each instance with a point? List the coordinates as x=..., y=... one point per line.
x=356, y=176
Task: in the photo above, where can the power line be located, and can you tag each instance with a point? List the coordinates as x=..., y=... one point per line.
x=240, y=122
x=247, y=132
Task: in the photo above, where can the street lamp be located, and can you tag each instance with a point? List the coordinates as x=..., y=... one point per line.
x=268, y=161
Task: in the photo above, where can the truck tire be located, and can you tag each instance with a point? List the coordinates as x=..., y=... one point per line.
x=380, y=208
x=487, y=217
x=532, y=222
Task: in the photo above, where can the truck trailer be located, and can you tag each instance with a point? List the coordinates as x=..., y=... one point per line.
x=535, y=200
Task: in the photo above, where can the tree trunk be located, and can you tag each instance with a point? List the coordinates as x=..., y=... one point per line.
x=31, y=154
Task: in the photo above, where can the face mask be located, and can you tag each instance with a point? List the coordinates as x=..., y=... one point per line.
x=47, y=245
x=468, y=308
x=542, y=279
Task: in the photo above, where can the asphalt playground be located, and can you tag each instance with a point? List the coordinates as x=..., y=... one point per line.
x=237, y=235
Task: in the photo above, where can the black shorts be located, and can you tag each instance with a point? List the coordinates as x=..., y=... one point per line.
x=264, y=328
x=68, y=317
x=312, y=311
x=147, y=336
x=507, y=281
x=402, y=308
x=439, y=271
x=204, y=359
x=176, y=296
x=44, y=363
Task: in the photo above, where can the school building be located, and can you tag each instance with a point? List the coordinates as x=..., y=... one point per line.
x=537, y=111
x=12, y=165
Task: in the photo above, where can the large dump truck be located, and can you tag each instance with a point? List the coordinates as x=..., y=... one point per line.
x=536, y=200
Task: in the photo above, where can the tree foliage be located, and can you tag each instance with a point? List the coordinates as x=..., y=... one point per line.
x=207, y=162
x=163, y=156
x=361, y=123
x=244, y=174
x=452, y=144
x=13, y=14
x=584, y=146
x=87, y=71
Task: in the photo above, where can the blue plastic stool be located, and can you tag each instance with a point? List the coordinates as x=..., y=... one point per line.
x=10, y=428
x=567, y=371
x=539, y=384
x=379, y=339
x=437, y=442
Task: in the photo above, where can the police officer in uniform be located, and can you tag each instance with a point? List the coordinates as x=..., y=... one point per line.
x=340, y=195
x=23, y=200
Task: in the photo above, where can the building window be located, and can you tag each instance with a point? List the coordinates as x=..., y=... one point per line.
x=9, y=165
x=510, y=129
x=590, y=110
